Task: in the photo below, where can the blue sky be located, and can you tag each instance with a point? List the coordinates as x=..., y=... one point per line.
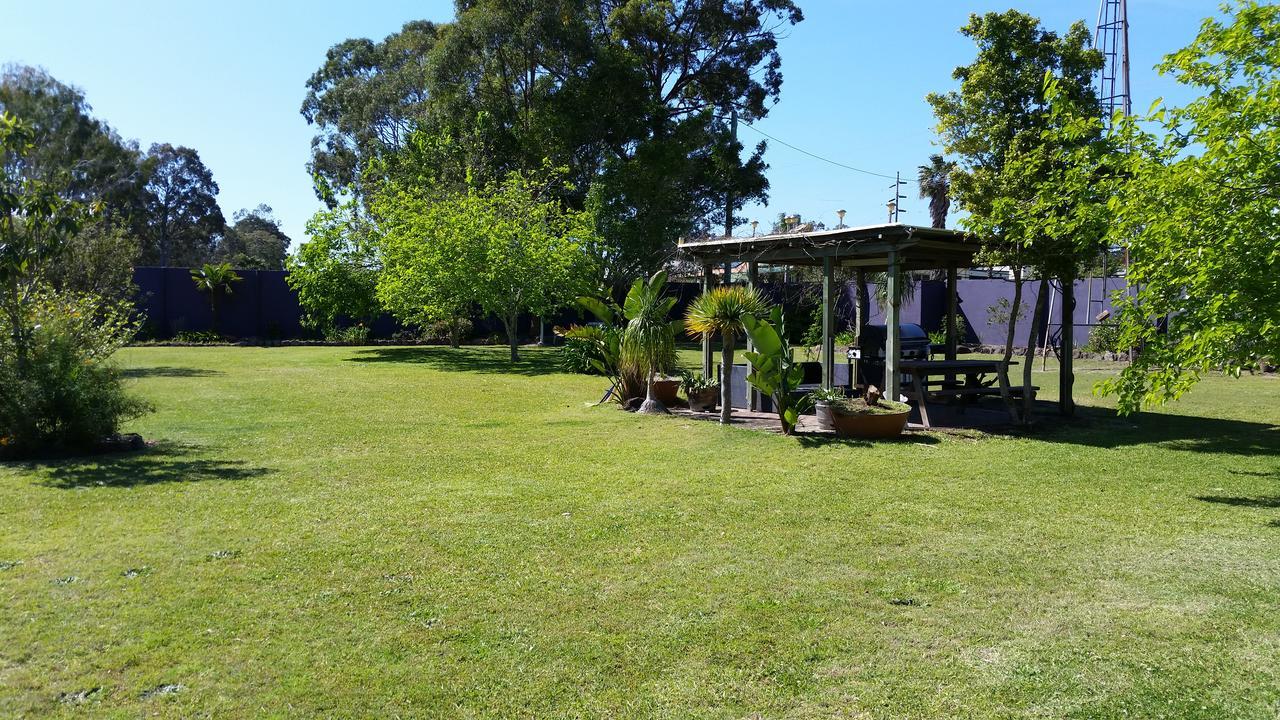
x=227, y=78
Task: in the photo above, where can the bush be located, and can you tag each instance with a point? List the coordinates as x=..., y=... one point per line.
x=453, y=330
x=576, y=354
x=353, y=335
x=198, y=337
x=1104, y=338
x=63, y=393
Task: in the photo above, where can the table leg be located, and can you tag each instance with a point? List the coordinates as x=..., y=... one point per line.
x=919, y=391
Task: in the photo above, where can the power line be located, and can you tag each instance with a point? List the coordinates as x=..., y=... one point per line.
x=819, y=157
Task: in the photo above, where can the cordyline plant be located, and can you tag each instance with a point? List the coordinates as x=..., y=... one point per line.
x=723, y=310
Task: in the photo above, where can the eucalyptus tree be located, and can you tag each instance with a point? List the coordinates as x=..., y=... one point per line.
x=182, y=220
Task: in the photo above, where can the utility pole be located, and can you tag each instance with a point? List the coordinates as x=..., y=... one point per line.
x=895, y=203
x=728, y=194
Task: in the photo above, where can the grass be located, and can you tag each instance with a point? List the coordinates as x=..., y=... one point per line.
x=339, y=532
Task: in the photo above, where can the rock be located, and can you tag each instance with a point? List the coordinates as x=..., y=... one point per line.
x=873, y=395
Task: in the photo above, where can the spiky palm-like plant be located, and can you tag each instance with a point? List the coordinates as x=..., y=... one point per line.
x=935, y=186
x=650, y=335
x=721, y=310
x=215, y=279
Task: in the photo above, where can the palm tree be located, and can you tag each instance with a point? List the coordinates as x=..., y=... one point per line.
x=935, y=184
x=721, y=310
x=215, y=280
x=650, y=335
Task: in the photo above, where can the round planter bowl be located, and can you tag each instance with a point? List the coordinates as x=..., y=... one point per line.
x=870, y=427
x=667, y=392
x=704, y=400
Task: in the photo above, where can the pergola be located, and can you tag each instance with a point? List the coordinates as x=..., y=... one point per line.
x=891, y=248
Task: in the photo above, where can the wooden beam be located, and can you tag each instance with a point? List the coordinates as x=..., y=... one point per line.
x=707, y=359
x=892, y=342
x=828, y=322
x=753, y=282
x=953, y=310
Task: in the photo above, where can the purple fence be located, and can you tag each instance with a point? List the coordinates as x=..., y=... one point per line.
x=263, y=306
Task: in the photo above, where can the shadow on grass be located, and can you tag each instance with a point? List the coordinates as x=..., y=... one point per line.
x=1102, y=428
x=1265, y=501
x=153, y=466
x=168, y=371
x=483, y=359
x=813, y=440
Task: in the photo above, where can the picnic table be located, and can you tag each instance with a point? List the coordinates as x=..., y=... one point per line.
x=975, y=385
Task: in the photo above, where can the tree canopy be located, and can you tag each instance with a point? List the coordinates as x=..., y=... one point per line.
x=1199, y=213
x=509, y=248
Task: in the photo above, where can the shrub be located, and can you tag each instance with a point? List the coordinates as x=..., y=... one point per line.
x=62, y=393
x=1104, y=338
x=576, y=355
x=198, y=337
x=352, y=335
x=453, y=330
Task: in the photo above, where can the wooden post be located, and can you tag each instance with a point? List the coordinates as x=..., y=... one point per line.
x=753, y=282
x=828, y=322
x=859, y=324
x=953, y=312
x=892, y=340
x=1066, y=371
x=707, y=359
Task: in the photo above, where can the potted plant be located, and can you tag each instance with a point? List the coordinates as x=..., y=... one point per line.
x=871, y=417
x=823, y=399
x=701, y=391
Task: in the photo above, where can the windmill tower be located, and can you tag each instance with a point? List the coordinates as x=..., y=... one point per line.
x=1112, y=38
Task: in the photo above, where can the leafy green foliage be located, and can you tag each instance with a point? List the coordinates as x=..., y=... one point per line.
x=66, y=394
x=774, y=370
x=59, y=390
x=508, y=249
x=724, y=311
x=1198, y=214
x=634, y=99
x=335, y=272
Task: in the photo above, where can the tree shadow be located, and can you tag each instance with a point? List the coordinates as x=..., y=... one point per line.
x=168, y=371
x=1262, y=501
x=483, y=359
x=815, y=439
x=1103, y=428
x=153, y=466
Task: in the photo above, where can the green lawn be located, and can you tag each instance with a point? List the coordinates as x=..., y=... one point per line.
x=337, y=532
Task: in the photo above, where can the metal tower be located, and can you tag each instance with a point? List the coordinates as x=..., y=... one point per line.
x=1112, y=38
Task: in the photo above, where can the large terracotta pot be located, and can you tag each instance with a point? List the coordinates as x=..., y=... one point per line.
x=666, y=391
x=704, y=400
x=870, y=427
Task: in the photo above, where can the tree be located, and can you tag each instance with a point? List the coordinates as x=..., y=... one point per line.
x=935, y=186
x=335, y=273
x=1199, y=214
x=182, y=219
x=255, y=241
x=59, y=390
x=73, y=152
x=1000, y=109
x=636, y=100
x=365, y=101
x=216, y=280
x=723, y=310
x=509, y=248
x=97, y=260
x=649, y=336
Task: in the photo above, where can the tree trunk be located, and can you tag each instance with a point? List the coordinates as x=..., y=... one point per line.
x=1013, y=313
x=726, y=379
x=1033, y=337
x=511, y=324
